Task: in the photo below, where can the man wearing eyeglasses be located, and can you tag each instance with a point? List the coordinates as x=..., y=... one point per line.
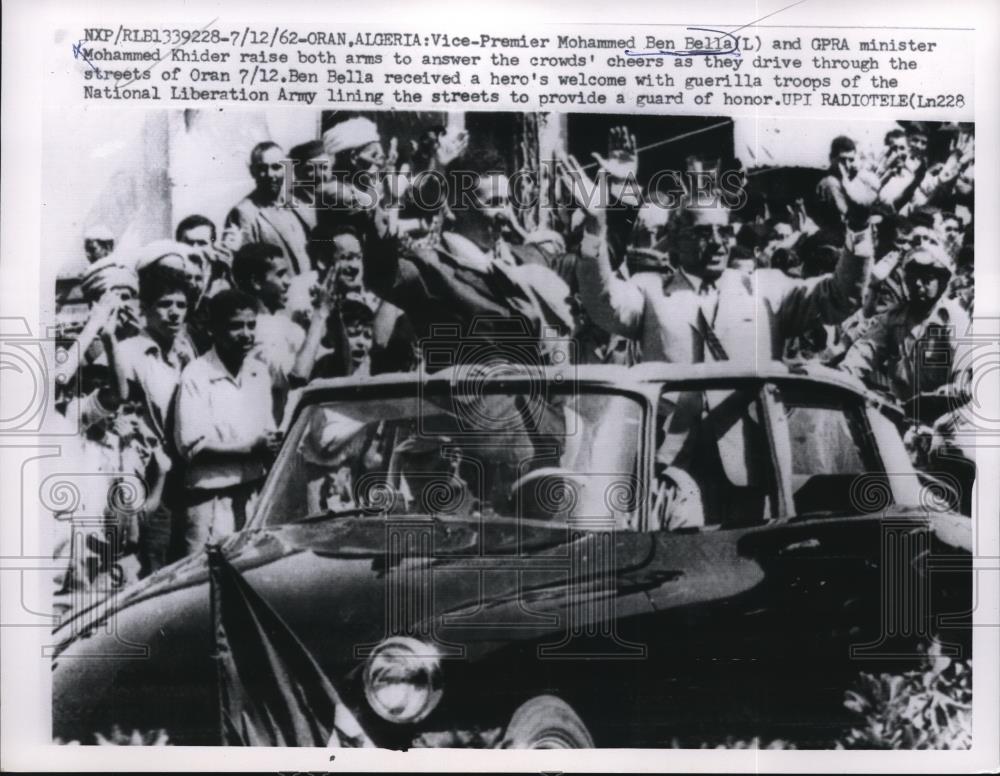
x=269, y=214
x=706, y=311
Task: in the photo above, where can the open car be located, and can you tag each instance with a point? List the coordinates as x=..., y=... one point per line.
x=581, y=557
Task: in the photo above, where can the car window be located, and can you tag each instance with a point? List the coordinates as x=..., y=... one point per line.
x=713, y=464
x=504, y=455
x=829, y=447
x=822, y=442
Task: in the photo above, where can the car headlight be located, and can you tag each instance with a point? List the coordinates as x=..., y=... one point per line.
x=403, y=679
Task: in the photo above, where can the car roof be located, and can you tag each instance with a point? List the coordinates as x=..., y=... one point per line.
x=638, y=378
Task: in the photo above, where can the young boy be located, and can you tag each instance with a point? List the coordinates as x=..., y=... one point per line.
x=229, y=407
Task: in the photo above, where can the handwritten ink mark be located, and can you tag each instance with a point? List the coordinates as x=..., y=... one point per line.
x=79, y=53
x=692, y=52
x=709, y=52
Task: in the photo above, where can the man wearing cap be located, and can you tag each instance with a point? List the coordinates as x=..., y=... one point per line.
x=110, y=287
x=179, y=257
x=269, y=213
x=147, y=370
x=356, y=156
x=148, y=365
x=190, y=261
x=353, y=146
x=916, y=347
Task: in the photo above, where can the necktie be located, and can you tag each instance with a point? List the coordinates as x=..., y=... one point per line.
x=708, y=299
x=713, y=345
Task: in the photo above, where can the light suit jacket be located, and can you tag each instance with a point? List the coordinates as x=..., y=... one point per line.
x=755, y=312
x=281, y=225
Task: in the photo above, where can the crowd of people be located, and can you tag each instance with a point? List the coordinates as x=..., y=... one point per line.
x=188, y=366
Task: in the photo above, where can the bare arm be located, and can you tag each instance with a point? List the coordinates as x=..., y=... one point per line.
x=104, y=314
x=305, y=359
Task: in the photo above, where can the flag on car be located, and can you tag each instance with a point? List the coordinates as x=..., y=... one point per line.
x=271, y=690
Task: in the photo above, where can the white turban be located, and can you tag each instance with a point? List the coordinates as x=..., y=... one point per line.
x=353, y=133
x=105, y=274
x=175, y=254
x=98, y=232
x=929, y=256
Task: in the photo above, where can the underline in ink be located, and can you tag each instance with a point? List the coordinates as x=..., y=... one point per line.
x=692, y=52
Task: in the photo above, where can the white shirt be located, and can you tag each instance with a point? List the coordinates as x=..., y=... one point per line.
x=279, y=340
x=153, y=375
x=215, y=408
x=708, y=298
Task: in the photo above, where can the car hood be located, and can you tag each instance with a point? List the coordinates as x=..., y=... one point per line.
x=332, y=583
x=359, y=538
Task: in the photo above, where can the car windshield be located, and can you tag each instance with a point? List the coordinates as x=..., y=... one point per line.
x=511, y=454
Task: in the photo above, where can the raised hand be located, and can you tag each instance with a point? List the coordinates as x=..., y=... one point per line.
x=105, y=313
x=805, y=223
x=622, y=161
x=321, y=295
x=450, y=146
x=860, y=196
x=392, y=156
x=590, y=196
x=128, y=319
x=963, y=152
x=386, y=222
x=964, y=146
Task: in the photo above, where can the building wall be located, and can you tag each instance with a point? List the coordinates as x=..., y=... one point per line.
x=142, y=171
x=788, y=142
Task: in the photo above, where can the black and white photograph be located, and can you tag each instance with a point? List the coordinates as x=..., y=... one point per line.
x=397, y=388
x=511, y=430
